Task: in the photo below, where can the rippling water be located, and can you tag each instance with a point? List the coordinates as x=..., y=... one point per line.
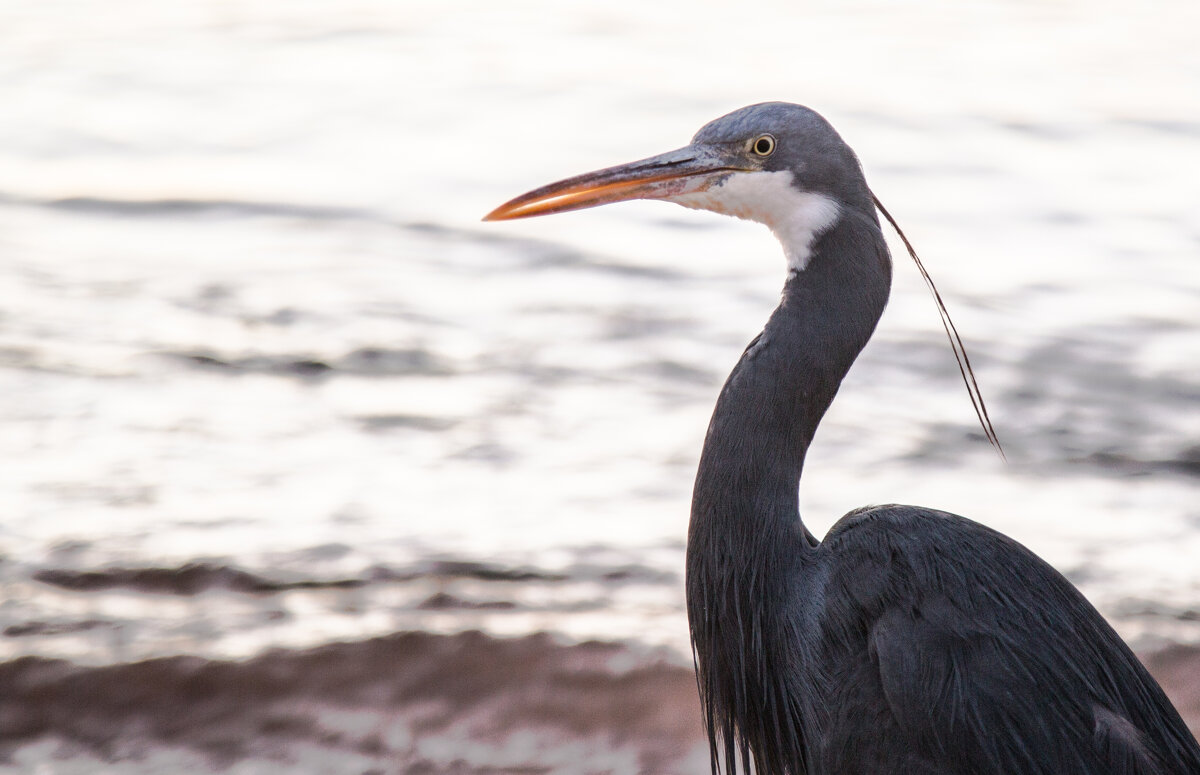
x=269, y=382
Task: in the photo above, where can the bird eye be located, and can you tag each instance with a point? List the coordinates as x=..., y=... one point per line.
x=764, y=146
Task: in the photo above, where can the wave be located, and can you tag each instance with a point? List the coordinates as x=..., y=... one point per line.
x=223, y=207
x=411, y=702
x=193, y=578
x=364, y=361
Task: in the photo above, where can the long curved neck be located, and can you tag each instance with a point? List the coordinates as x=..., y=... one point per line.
x=784, y=382
x=746, y=537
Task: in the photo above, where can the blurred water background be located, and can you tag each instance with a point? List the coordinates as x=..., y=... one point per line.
x=269, y=382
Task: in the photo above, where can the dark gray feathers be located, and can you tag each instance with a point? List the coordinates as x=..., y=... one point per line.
x=909, y=641
x=986, y=658
x=808, y=146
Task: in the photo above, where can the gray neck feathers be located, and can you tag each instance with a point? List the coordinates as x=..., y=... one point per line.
x=745, y=526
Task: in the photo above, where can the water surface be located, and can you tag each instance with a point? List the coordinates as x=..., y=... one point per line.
x=270, y=383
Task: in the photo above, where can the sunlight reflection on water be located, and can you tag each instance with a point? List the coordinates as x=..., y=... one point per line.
x=250, y=309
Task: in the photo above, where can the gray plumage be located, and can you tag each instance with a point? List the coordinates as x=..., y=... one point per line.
x=909, y=640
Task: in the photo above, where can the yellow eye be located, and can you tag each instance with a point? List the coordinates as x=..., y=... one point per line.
x=764, y=146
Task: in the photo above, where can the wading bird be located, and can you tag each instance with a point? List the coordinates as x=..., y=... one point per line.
x=908, y=640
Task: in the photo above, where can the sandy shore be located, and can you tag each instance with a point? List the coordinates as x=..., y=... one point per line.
x=411, y=702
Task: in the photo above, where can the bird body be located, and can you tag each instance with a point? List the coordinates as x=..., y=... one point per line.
x=971, y=654
x=924, y=643
x=909, y=640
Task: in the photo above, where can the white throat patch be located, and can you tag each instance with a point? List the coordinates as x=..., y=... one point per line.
x=795, y=217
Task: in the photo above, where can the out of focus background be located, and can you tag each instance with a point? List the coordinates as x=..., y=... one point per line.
x=305, y=469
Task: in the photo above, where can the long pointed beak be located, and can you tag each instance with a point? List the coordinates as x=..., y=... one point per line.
x=683, y=171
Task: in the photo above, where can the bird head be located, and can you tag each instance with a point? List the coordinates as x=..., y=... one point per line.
x=776, y=163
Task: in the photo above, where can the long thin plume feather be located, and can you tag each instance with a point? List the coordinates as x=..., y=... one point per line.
x=956, y=343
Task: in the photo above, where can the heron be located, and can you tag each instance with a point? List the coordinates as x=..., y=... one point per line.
x=908, y=640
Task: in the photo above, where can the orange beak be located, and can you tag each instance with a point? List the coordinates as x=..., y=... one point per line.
x=670, y=174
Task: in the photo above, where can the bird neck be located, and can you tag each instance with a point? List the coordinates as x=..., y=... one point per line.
x=779, y=390
x=746, y=541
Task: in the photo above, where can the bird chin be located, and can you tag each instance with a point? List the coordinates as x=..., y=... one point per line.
x=756, y=196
